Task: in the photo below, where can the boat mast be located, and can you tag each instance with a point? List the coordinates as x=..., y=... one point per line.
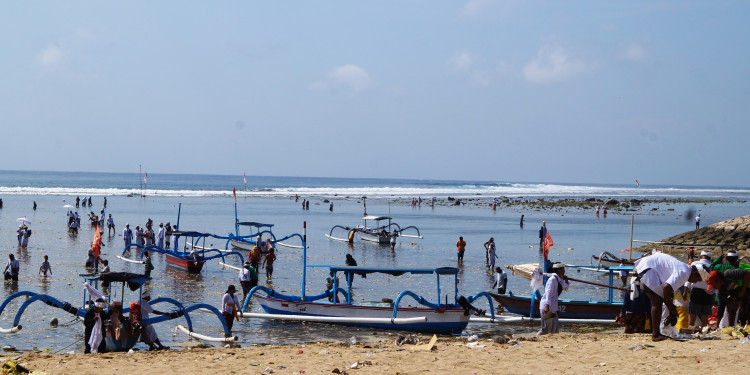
x=304, y=258
x=630, y=249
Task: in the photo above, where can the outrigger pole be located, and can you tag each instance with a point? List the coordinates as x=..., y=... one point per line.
x=630, y=249
x=304, y=258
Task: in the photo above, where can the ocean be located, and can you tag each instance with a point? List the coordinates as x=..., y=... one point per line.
x=205, y=203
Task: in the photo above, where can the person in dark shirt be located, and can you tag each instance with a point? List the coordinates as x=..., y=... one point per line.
x=731, y=294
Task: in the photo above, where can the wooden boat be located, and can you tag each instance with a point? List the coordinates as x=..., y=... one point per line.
x=336, y=306
x=380, y=233
x=189, y=257
x=571, y=309
x=129, y=337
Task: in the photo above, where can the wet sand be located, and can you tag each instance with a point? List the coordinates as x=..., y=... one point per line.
x=567, y=353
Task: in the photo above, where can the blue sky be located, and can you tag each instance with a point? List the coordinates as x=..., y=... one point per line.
x=573, y=91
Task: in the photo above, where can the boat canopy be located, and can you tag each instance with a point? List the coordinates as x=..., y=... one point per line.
x=254, y=224
x=190, y=233
x=134, y=280
x=394, y=271
x=376, y=218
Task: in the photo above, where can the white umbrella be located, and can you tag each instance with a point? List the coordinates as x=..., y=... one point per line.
x=67, y=206
x=23, y=221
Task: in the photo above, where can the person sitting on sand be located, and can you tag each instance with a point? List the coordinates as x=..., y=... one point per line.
x=660, y=275
x=548, y=305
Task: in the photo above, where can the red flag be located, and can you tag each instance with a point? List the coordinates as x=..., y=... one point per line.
x=637, y=184
x=145, y=177
x=234, y=191
x=547, y=243
x=97, y=242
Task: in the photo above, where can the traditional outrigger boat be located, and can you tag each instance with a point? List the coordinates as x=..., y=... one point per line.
x=336, y=305
x=129, y=333
x=190, y=257
x=569, y=308
x=380, y=233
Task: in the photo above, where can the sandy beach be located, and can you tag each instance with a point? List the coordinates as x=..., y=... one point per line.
x=568, y=353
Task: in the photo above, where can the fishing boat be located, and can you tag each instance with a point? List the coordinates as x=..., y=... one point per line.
x=607, y=259
x=569, y=308
x=244, y=242
x=380, y=233
x=129, y=334
x=190, y=257
x=336, y=305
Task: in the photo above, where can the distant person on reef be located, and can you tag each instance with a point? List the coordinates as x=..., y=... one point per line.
x=461, y=247
x=78, y=202
x=105, y=202
x=34, y=205
x=697, y=221
x=522, y=221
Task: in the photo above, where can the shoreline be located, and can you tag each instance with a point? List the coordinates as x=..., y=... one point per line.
x=614, y=353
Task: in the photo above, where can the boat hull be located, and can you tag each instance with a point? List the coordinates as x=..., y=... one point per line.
x=374, y=238
x=124, y=344
x=569, y=309
x=183, y=264
x=244, y=246
x=611, y=262
x=450, y=321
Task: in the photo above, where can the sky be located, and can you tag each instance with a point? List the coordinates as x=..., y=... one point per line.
x=507, y=91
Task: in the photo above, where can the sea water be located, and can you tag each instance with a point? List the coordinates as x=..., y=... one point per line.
x=206, y=204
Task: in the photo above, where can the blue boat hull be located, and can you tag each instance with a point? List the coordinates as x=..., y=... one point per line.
x=569, y=309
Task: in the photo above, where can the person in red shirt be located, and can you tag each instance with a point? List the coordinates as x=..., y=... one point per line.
x=461, y=245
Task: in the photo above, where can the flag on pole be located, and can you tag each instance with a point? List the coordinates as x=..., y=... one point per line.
x=547, y=243
x=244, y=178
x=97, y=242
x=637, y=184
x=145, y=177
x=234, y=191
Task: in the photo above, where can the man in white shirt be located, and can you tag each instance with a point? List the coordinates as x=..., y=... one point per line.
x=11, y=269
x=160, y=236
x=148, y=335
x=127, y=235
x=548, y=305
x=660, y=275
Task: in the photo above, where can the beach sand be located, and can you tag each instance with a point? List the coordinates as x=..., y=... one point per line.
x=567, y=353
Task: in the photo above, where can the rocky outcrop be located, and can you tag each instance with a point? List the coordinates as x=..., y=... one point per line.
x=732, y=234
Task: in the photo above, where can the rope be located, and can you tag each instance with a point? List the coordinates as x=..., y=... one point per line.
x=71, y=344
x=70, y=323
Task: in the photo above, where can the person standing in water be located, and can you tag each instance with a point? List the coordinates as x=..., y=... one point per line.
x=461, y=247
x=45, y=267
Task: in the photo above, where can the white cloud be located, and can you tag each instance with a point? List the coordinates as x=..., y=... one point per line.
x=462, y=60
x=476, y=7
x=552, y=64
x=634, y=52
x=348, y=78
x=51, y=56
x=479, y=71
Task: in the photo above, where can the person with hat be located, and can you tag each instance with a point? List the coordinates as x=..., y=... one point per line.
x=230, y=308
x=248, y=279
x=127, y=235
x=93, y=323
x=660, y=275
x=548, y=305
x=255, y=256
x=733, y=262
x=732, y=289
x=148, y=335
x=490, y=252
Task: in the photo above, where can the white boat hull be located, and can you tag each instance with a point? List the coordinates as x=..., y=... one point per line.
x=374, y=238
x=449, y=321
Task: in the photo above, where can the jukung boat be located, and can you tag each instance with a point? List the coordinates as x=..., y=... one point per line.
x=190, y=257
x=380, y=233
x=337, y=306
x=129, y=334
x=569, y=308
